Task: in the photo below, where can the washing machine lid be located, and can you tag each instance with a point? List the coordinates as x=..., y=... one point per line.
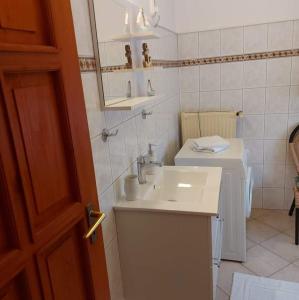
x=233, y=158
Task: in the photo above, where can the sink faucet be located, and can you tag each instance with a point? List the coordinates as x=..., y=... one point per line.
x=142, y=161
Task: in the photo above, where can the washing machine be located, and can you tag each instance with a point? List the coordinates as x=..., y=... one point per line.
x=235, y=194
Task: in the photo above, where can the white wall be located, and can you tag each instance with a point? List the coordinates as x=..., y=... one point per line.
x=267, y=91
x=197, y=15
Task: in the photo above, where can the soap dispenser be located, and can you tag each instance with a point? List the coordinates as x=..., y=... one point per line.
x=151, y=168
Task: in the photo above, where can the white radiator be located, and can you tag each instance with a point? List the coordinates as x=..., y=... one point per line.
x=199, y=124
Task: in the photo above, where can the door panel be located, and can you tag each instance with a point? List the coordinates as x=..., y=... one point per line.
x=24, y=22
x=62, y=268
x=45, y=154
x=16, y=289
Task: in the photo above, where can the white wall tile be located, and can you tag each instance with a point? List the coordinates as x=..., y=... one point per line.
x=107, y=201
x=254, y=101
x=273, y=175
x=232, y=41
x=296, y=35
x=232, y=76
x=295, y=71
x=255, y=38
x=82, y=27
x=276, y=126
x=118, y=155
x=255, y=73
x=274, y=151
x=189, y=79
x=209, y=43
x=114, y=271
x=280, y=35
x=131, y=142
x=255, y=150
x=257, y=175
x=293, y=121
x=232, y=100
x=188, y=45
x=277, y=99
x=210, y=101
x=257, y=198
x=253, y=126
x=101, y=162
x=273, y=198
x=210, y=77
x=190, y=102
x=279, y=71
x=294, y=99
x=113, y=118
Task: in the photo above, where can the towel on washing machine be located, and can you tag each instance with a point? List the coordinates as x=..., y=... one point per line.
x=210, y=144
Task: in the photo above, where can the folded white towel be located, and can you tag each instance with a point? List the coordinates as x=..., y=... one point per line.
x=210, y=144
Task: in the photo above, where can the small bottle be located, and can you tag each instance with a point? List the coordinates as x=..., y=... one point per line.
x=129, y=89
x=150, y=90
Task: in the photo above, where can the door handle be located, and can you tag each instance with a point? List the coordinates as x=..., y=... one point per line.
x=95, y=218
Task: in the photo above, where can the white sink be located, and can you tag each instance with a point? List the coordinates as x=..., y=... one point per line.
x=181, y=189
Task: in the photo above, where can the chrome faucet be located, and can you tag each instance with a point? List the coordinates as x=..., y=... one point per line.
x=142, y=161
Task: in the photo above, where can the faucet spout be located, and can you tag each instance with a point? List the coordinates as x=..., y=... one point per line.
x=142, y=161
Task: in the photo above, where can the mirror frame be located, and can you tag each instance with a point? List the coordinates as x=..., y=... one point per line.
x=96, y=51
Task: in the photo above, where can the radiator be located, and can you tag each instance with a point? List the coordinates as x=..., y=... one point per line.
x=199, y=124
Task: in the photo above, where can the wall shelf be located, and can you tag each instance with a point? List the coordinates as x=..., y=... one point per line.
x=130, y=103
x=147, y=35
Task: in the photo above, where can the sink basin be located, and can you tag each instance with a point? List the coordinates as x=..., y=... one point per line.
x=181, y=189
x=179, y=185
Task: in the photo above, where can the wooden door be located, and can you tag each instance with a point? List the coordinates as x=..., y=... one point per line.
x=46, y=171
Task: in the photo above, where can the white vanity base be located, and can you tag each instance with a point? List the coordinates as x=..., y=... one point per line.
x=168, y=255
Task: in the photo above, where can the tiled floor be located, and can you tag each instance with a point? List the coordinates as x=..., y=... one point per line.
x=270, y=251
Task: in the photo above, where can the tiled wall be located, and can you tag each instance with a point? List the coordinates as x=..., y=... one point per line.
x=267, y=91
x=116, y=158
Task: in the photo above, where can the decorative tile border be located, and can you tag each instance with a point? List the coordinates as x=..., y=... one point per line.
x=108, y=69
x=166, y=63
x=89, y=64
x=239, y=57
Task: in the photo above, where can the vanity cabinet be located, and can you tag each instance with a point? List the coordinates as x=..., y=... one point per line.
x=169, y=255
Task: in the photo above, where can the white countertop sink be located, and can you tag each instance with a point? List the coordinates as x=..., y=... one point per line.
x=193, y=190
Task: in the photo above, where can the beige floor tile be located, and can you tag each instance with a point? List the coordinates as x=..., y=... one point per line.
x=289, y=273
x=221, y=295
x=263, y=262
x=225, y=277
x=259, y=232
x=284, y=246
x=250, y=244
x=257, y=212
x=297, y=261
x=279, y=219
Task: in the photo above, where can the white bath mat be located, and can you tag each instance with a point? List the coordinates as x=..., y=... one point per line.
x=248, y=287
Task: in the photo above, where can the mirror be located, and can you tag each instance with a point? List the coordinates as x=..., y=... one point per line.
x=121, y=31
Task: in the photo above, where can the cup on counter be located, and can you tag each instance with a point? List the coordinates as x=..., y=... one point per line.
x=131, y=187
